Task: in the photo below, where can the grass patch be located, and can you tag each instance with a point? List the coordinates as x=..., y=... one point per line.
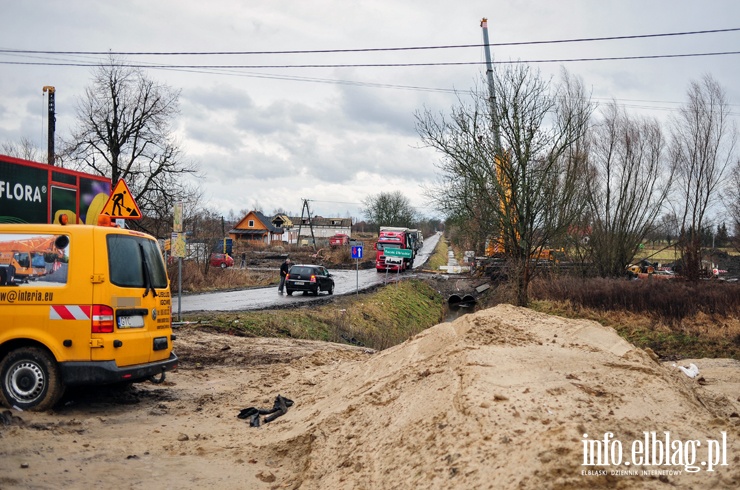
x=377, y=320
x=439, y=257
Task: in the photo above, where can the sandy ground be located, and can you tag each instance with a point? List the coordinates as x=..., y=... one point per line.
x=502, y=398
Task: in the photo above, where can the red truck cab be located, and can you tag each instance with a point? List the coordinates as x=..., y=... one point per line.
x=393, y=237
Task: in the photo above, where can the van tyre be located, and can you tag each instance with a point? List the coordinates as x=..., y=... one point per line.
x=30, y=379
x=331, y=289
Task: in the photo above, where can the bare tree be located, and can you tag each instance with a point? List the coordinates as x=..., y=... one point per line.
x=527, y=189
x=389, y=209
x=703, y=147
x=124, y=132
x=24, y=149
x=629, y=184
x=732, y=201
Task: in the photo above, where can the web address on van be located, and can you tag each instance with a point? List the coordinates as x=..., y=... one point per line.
x=25, y=296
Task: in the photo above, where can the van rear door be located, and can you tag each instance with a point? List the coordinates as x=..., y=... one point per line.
x=134, y=286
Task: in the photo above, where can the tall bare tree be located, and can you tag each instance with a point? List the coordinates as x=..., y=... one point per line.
x=25, y=149
x=389, y=209
x=732, y=201
x=630, y=179
x=529, y=188
x=124, y=132
x=703, y=147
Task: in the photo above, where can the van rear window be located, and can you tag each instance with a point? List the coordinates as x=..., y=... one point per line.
x=134, y=262
x=33, y=260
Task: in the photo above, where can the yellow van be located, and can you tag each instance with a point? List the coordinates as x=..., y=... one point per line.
x=80, y=305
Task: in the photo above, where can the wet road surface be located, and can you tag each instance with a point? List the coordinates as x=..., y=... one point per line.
x=346, y=281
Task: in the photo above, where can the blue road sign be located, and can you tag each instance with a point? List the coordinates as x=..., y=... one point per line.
x=357, y=252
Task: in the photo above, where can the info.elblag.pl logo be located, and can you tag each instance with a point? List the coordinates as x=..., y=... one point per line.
x=653, y=450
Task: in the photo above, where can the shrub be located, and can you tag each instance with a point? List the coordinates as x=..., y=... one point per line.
x=669, y=301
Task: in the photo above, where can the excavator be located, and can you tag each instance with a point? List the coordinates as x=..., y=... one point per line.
x=28, y=259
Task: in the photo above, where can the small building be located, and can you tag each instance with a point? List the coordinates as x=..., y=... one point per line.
x=256, y=227
x=323, y=228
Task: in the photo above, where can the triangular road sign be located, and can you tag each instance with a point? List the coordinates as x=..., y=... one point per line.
x=121, y=204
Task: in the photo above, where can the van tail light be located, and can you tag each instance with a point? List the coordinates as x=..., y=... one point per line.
x=102, y=319
x=313, y=278
x=287, y=276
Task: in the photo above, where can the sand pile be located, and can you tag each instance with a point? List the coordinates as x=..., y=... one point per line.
x=497, y=399
x=509, y=398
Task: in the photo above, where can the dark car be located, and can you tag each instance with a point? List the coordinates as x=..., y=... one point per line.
x=309, y=278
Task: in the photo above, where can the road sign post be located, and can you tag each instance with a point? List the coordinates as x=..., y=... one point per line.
x=178, y=248
x=396, y=256
x=357, y=255
x=390, y=260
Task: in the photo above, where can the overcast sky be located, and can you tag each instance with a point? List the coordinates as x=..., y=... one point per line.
x=269, y=137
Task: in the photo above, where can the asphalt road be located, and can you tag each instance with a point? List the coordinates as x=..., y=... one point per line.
x=345, y=282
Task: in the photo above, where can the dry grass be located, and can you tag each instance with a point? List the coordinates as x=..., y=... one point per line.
x=668, y=301
x=195, y=278
x=675, y=319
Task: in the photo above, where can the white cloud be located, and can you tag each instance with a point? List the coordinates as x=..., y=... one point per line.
x=273, y=137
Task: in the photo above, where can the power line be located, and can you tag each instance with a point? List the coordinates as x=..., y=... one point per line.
x=384, y=65
x=236, y=70
x=335, y=202
x=366, y=50
x=204, y=70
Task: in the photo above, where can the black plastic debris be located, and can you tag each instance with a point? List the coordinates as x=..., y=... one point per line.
x=279, y=408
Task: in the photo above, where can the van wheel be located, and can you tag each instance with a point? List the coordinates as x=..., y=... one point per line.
x=331, y=289
x=30, y=379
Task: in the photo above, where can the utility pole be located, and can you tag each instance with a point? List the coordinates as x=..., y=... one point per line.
x=52, y=123
x=300, y=225
x=491, y=92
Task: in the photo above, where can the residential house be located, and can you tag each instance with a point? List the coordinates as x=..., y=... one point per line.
x=290, y=232
x=256, y=227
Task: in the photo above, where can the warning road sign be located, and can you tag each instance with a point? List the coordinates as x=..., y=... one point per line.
x=121, y=204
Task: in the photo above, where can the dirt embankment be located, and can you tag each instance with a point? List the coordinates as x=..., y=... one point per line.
x=502, y=398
